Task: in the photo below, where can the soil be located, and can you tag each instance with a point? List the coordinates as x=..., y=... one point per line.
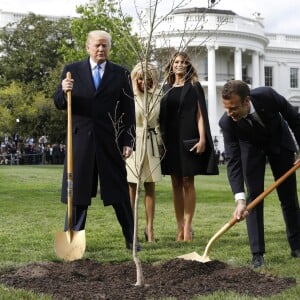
x=177, y=278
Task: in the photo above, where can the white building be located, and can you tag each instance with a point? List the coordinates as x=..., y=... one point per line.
x=9, y=17
x=223, y=45
x=14, y=17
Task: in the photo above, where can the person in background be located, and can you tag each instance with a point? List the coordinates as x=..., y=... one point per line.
x=147, y=104
x=183, y=117
x=103, y=121
x=55, y=153
x=256, y=129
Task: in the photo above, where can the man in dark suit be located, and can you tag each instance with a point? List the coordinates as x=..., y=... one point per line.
x=256, y=129
x=103, y=124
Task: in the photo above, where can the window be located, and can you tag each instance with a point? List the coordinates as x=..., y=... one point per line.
x=268, y=76
x=294, y=77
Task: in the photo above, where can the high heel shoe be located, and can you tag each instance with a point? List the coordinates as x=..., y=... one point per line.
x=149, y=237
x=180, y=236
x=146, y=235
x=189, y=236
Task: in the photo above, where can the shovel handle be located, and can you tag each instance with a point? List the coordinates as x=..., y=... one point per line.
x=249, y=207
x=273, y=186
x=69, y=134
x=69, y=161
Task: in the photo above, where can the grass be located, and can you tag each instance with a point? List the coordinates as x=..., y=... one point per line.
x=31, y=214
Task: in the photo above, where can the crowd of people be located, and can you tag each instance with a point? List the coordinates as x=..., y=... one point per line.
x=30, y=153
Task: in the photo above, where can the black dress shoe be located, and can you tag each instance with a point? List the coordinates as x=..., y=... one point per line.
x=258, y=260
x=129, y=246
x=296, y=253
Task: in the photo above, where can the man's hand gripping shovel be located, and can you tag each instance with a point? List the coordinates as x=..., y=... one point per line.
x=205, y=258
x=70, y=245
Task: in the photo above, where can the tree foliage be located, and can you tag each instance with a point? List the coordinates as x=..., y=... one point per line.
x=104, y=15
x=36, y=114
x=30, y=58
x=30, y=49
x=33, y=52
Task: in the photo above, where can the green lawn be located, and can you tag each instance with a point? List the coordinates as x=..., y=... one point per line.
x=31, y=214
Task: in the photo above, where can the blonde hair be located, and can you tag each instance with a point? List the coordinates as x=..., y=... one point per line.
x=147, y=71
x=98, y=34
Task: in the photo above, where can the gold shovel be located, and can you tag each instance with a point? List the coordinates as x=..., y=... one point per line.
x=205, y=258
x=70, y=245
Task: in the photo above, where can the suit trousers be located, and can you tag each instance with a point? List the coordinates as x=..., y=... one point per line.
x=254, y=173
x=123, y=212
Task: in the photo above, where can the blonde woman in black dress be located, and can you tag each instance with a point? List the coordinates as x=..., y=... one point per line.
x=183, y=117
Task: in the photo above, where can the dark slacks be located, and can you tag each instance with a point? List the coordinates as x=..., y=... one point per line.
x=254, y=173
x=123, y=212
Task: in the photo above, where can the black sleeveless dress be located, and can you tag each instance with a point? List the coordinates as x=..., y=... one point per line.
x=172, y=158
x=178, y=122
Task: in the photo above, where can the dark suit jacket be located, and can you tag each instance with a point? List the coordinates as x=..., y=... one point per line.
x=277, y=115
x=101, y=119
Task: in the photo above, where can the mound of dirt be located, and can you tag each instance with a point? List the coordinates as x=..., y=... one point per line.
x=178, y=278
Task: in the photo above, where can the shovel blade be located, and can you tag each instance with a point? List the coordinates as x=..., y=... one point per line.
x=70, y=249
x=195, y=256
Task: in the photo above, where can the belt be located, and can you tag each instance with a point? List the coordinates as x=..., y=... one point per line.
x=152, y=131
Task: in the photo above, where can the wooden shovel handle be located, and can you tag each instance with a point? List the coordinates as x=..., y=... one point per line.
x=273, y=186
x=69, y=133
x=249, y=207
x=69, y=160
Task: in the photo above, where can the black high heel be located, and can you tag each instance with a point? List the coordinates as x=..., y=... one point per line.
x=146, y=235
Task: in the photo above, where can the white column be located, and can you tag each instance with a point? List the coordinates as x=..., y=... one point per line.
x=255, y=69
x=238, y=64
x=276, y=78
x=211, y=90
x=261, y=70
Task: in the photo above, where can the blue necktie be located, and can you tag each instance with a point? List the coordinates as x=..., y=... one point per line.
x=97, y=76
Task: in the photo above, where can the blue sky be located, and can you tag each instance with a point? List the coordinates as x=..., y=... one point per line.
x=280, y=16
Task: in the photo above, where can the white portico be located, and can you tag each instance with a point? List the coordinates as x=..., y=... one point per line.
x=223, y=46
